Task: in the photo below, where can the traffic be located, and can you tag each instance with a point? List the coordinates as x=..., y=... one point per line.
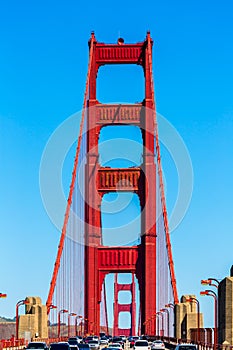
x=107, y=343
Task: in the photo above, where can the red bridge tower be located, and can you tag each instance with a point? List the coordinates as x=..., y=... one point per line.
x=139, y=260
x=118, y=308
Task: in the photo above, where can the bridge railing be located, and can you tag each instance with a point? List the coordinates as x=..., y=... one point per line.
x=171, y=343
x=13, y=343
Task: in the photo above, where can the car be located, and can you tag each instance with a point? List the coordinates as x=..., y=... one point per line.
x=95, y=337
x=123, y=337
x=145, y=337
x=94, y=344
x=157, y=344
x=185, y=346
x=132, y=340
x=114, y=346
x=84, y=346
x=87, y=339
x=60, y=346
x=104, y=341
x=74, y=341
x=37, y=345
x=118, y=340
x=141, y=345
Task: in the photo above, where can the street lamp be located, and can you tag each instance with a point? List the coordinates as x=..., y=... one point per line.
x=153, y=323
x=158, y=328
x=145, y=324
x=85, y=325
x=21, y=302
x=162, y=328
x=69, y=315
x=50, y=307
x=209, y=282
x=91, y=327
x=168, y=323
x=170, y=305
x=214, y=295
x=76, y=325
x=191, y=299
x=3, y=295
x=59, y=321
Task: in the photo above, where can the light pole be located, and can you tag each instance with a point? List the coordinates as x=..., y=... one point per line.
x=157, y=327
x=85, y=326
x=69, y=316
x=21, y=302
x=59, y=321
x=209, y=282
x=91, y=327
x=191, y=299
x=153, y=323
x=76, y=325
x=168, y=323
x=145, y=324
x=50, y=307
x=162, y=328
x=214, y=295
x=172, y=306
x=3, y=295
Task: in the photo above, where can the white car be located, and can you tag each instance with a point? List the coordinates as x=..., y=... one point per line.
x=141, y=345
x=157, y=344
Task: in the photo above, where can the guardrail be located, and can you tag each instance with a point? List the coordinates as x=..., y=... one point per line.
x=13, y=344
x=172, y=342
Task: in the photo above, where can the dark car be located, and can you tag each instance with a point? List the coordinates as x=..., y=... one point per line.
x=74, y=341
x=94, y=344
x=37, y=345
x=88, y=338
x=132, y=340
x=186, y=347
x=118, y=340
x=84, y=346
x=60, y=346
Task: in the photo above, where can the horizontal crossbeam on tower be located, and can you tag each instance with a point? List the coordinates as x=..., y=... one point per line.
x=118, y=114
x=120, y=54
x=115, y=259
x=123, y=287
x=118, y=179
x=124, y=308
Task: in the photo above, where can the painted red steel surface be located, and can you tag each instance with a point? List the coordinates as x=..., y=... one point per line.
x=116, y=54
x=115, y=114
x=111, y=179
x=118, y=308
x=100, y=260
x=117, y=259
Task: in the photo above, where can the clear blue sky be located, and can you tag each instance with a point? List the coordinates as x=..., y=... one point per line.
x=43, y=64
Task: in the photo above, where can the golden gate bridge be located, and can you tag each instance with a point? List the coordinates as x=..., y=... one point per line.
x=78, y=282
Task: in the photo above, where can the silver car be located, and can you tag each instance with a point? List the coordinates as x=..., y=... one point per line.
x=186, y=347
x=157, y=344
x=94, y=344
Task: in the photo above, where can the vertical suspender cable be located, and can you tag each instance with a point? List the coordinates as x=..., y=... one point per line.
x=69, y=201
x=161, y=185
